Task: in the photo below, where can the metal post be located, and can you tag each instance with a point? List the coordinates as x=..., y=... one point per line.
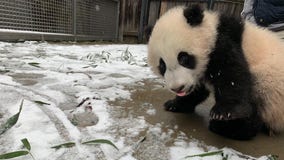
x=142, y=20
x=210, y=4
x=121, y=20
x=117, y=21
x=75, y=20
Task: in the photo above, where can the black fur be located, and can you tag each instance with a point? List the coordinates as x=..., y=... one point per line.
x=162, y=67
x=194, y=15
x=235, y=113
x=189, y=102
x=186, y=60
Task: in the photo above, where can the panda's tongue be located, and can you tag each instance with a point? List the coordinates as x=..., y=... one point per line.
x=181, y=94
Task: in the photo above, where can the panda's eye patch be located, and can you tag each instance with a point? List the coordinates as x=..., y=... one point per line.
x=186, y=60
x=162, y=67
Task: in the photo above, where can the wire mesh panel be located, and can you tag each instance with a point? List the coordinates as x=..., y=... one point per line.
x=97, y=18
x=36, y=15
x=59, y=19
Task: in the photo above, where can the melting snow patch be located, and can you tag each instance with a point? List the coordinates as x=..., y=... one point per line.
x=62, y=76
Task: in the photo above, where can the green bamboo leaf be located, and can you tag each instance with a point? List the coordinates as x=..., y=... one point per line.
x=13, y=154
x=273, y=157
x=35, y=64
x=11, y=121
x=205, y=154
x=64, y=145
x=4, y=71
x=26, y=143
x=100, y=141
x=41, y=103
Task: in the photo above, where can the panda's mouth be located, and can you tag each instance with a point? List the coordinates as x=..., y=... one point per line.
x=184, y=93
x=181, y=94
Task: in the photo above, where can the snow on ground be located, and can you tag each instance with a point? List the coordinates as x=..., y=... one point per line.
x=76, y=82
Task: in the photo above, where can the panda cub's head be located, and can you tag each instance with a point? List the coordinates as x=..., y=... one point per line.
x=179, y=47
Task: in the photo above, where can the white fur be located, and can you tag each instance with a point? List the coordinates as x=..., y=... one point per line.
x=175, y=79
x=264, y=52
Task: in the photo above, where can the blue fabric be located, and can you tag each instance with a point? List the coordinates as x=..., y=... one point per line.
x=268, y=11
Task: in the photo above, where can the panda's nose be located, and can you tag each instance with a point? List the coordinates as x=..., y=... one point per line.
x=177, y=90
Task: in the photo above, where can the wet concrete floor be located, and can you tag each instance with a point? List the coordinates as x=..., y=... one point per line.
x=195, y=125
x=151, y=92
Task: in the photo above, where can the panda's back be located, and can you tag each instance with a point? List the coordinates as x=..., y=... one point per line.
x=264, y=51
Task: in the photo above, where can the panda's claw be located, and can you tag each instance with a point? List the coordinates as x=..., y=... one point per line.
x=212, y=115
x=232, y=112
x=229, y=115
x=172, y=108
x=217, y=117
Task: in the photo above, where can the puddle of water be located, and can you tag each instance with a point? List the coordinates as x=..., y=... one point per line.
x=117, y=75
x=148, y=96
x=27, y=79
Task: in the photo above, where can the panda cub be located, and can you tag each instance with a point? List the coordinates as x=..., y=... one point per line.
x=198, y=52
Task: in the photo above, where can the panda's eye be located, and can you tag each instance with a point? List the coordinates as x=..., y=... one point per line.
x=186, y=60
x=162, y=67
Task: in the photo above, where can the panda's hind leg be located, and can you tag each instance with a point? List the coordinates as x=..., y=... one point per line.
x=239, y=129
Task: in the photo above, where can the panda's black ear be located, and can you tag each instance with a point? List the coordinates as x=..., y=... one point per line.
x=194, y=15
x=148, y=32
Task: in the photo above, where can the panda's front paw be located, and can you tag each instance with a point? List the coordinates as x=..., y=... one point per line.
x=170, y=105
x=230, y=112
x=176, y=105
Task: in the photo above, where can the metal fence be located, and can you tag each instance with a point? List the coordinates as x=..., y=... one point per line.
x=59, y=19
